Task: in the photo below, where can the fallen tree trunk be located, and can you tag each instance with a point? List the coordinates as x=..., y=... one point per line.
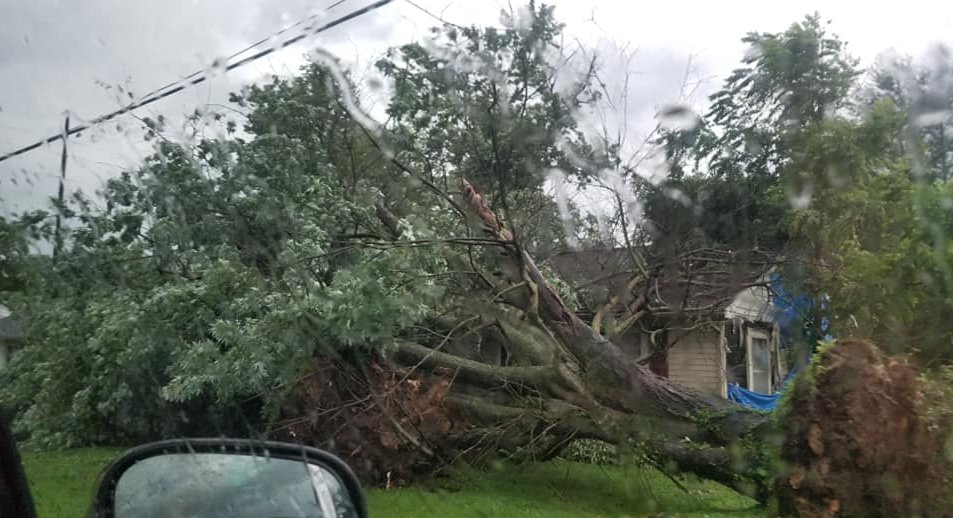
x=624, y=400
x=561, y=380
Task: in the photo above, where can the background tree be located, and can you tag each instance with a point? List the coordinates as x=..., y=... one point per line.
x=495, y=106
x=737, y=162
x=923, y=91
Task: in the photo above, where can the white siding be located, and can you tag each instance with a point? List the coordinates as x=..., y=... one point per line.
x=698, y=360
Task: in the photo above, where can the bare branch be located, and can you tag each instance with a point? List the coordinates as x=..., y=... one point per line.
x=479, y=372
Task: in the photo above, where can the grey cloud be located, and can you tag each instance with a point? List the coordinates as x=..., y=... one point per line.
x=55, y=56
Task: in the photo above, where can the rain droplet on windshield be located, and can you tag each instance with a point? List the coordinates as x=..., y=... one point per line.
x=677, y=117
x=558, y=180
x=374, y=83
x=753, y=52
x=218, y=66
x=930, y=112
x=274, y=42
x=800, y=198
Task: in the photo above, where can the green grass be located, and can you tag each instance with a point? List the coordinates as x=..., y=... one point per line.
x=561, y=490
x=62, y=483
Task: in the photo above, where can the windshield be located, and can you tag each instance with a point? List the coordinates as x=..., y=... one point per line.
x=570, y=259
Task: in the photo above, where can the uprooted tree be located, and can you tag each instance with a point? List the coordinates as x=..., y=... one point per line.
x=563, y=380
x=375, y=290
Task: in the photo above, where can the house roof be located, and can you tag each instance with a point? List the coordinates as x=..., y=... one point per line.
x=700, y=283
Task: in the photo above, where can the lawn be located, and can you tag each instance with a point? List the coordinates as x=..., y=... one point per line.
x=562, y=490
x=62, y=483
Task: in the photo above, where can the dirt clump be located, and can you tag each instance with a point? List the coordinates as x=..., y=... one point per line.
x=857, y=443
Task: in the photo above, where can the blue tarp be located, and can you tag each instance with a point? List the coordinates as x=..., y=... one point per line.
x=753, y=399
x=746, y=397
x=795, y=309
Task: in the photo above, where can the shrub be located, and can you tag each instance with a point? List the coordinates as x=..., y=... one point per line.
x=591, y=451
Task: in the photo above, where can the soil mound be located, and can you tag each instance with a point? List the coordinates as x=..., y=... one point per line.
x=857, y=442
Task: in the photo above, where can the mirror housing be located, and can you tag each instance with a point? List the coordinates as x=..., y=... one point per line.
x=104, y=498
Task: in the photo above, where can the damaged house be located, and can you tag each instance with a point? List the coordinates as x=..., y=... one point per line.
x=704, y=319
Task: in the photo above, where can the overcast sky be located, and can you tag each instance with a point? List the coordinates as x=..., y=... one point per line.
x=55, y=55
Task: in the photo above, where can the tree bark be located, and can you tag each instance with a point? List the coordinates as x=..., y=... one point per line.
x=591, y=388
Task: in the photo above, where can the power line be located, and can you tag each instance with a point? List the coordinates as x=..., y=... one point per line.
x=439, y=18
x=187, y=82
x=237, y=53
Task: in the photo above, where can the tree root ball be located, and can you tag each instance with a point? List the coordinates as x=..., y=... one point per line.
x=388, y=424
x=858, y=442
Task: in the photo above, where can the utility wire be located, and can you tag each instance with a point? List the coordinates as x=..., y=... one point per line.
x=235, y=54
x=439, y=18
x=183, y=84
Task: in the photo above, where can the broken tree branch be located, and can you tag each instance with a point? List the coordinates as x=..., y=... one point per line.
x=480, y=372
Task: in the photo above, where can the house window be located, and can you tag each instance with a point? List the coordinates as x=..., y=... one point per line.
x=759, y=362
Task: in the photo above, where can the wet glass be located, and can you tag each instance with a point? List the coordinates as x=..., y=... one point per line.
x=212, y=485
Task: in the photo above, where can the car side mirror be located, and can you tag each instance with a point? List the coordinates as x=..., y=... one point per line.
x=232, y=478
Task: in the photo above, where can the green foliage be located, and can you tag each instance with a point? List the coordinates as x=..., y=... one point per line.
x=938, y=413
x=214, y=272
x=565, y=291
x=873, y=236
x=591, y=451
x=15, y=260
x=938, y=402
x=878, y=238
x=197, y=290
x=787, y=80
x=796, y=76
x=732, y=213
x=802, y=384
x=750, y=138
x=491, y=105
